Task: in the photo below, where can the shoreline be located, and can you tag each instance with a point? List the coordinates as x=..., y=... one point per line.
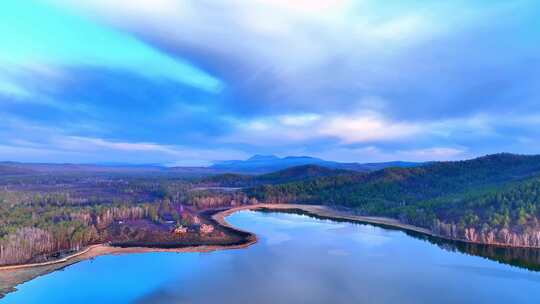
x=319, y=211
x=325, y=212
x=14, y=275
x=96, y=250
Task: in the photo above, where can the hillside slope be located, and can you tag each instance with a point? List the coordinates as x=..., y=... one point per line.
x=298, y=173
x=490, y=197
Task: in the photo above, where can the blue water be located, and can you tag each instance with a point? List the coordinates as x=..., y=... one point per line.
x=297, y=260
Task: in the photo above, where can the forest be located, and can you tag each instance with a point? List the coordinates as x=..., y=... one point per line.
x=493, y=199
x=47, y=216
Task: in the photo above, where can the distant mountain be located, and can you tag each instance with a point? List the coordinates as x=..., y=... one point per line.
x=265, y=163
x=11, y=168
x=129, y=165
x=6, y=169
x=260, y=164
x=19, y=168
x=256, y=165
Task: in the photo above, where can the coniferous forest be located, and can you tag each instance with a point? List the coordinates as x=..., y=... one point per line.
x=492, y=199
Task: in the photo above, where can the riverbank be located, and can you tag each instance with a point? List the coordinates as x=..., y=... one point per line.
x=11, y=276
x=324, y=212
x=319, y=211
x=294, y=250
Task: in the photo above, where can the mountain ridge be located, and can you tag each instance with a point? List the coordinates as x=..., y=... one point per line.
x=269, y=163
x=255, y=165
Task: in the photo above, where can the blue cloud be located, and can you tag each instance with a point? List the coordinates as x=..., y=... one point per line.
x=36, y=33
x=404, y=79
x=126, y=106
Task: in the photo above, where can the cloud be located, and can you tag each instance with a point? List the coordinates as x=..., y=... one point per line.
x=299, y=119
x=276, y=58
x=12, y=89
x=366, y=127
x=241, y=41
x=351, y=128
x=165, y=153
x=22, y=140
x=75, y=149
x=435, y=153
x=375, y=154
x=344, y=79
x=54, y=39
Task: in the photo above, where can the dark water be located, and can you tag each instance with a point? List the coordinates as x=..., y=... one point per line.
x=298, y=260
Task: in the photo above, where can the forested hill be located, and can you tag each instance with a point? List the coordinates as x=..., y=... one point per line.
x=299, y=173
x=488, y=194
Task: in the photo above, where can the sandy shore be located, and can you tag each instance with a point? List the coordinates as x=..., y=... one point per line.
x=10, y=276
x=329, y=213
x=315, y=210
x=105, y=249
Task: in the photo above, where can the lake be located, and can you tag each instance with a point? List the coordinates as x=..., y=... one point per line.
x=298, y=259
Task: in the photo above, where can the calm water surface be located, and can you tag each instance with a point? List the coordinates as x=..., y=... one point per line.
x=298, y=260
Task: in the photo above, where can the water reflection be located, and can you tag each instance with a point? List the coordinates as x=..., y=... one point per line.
x=347, y=263
x=527, y=258
x=495, y=273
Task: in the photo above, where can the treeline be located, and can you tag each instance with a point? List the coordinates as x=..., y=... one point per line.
x=28, y=234
x=74, y=189
x=40, y=220
x=208, y=200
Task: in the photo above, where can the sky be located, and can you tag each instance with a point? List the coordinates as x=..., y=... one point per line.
x=191, y=82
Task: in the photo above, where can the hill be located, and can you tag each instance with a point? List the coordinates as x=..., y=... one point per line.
x=298, y=173
x=464, y=195
x=33, y=168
